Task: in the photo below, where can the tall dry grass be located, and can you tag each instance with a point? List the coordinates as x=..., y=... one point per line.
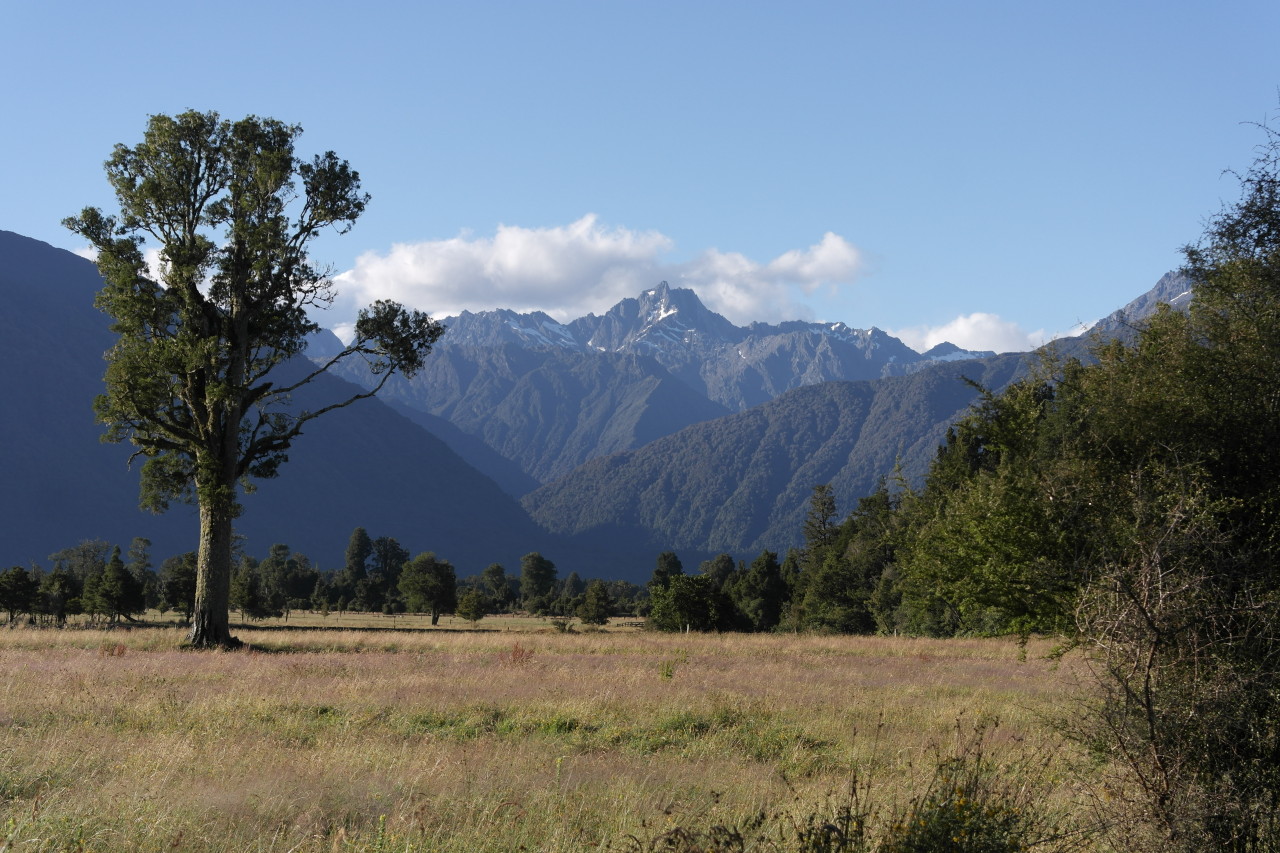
x=335, y=740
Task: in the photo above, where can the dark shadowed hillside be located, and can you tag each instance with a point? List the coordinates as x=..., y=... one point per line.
x=549, y=410
x=365, y=465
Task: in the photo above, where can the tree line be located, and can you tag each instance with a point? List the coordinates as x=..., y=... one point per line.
x=377, y=576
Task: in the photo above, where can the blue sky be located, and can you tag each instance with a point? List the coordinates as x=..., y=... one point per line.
x=987, y=172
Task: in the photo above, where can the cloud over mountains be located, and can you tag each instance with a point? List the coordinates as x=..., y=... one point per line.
x=569, y=271
x=585, y=267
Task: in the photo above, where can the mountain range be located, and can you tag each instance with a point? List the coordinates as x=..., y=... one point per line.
x=550, y=396
x=599, y=442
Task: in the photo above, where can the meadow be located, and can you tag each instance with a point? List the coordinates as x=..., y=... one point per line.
x=518, y=737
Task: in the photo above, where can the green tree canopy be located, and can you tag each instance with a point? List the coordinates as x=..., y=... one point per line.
x=596, y=606
x=537, y=579
x=473, y=605
x=761, y=594
x=668, y=567
x=200, y=378
x=59, y=595
x=429, y=585
x=178, y=583
x=115, y=592
x=18, y=591
x=497, y=586
x=359, y=549
x=387, y=557
x=691, y=603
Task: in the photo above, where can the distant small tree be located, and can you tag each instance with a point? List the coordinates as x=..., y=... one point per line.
x=83, y=560
x=359, y=549
x=288, y=580
x=59, y=595
x=626, y=596
x=178, y=583
x=596, y=606
x=139, y=565
x=429, y=585
x=386, y=559
x=537, y=579
x=761, y=594
x=690, y=602
x=247, y=593
x=118, y=593
x=720, y=569
x=819, y=524
x=18, y=591
x=322, y=596
x=668, y=567
x=473, y=605
x=497, y=586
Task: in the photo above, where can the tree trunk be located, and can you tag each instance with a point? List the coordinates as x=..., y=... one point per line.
x=210, y=628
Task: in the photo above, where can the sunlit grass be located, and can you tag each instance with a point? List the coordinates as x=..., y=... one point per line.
x=353, y=739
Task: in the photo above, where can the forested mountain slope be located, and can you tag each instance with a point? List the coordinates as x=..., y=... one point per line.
x=549, y=410
x=742, y=482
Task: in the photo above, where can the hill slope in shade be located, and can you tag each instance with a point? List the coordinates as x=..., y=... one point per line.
x=365, y=465
x=549, y=410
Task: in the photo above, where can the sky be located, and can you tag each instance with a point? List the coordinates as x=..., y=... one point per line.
x=989, y=173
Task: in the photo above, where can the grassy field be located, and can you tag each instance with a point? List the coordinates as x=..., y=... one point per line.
x=333, y=740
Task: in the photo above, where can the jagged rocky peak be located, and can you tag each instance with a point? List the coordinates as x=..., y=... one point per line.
x=503, y=326
x=659, y=318
x=1173, y=289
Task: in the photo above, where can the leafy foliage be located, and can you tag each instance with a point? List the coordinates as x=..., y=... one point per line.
x=18, y=591
x=429, y=585
x=195, y=380
x=597, y=604
x=472, y=606
x=537, y=580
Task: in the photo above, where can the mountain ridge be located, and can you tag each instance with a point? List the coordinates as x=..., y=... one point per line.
x=550, y=396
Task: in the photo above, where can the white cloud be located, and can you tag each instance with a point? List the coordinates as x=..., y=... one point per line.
x=89, y=253
x=831, y=260
x=346, y=332
x=977, y=331
x=584, y=267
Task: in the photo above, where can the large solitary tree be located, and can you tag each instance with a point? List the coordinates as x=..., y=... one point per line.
x=201, y=376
